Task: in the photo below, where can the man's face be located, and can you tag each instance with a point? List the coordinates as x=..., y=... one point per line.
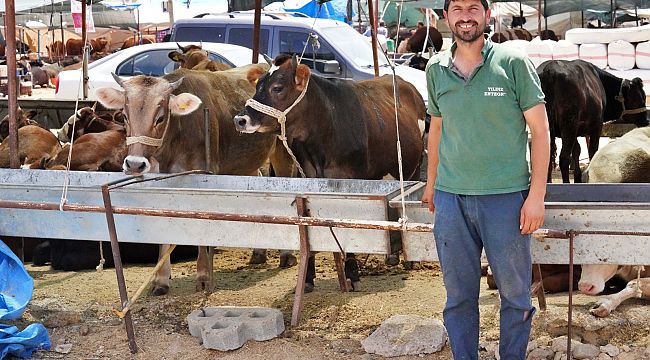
x=467, y=19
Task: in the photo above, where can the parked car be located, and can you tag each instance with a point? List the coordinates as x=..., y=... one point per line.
x=148, y=59
x=331, y=48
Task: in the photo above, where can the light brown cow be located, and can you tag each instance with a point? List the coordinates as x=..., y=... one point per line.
x=592, y=282
x=34, y=143
x=166, y=134
x=23, y=117
x=55, y=50
x=133, y=41
x=74, y=47
x=193, y=57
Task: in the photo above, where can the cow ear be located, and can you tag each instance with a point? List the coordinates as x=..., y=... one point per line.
x=31, y=114
x=111, y=98
x=637, y=81
x=183, y=104
x=175, y=56
x=302, y=76
x=254, y=74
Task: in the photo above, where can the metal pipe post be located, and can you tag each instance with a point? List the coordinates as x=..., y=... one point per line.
x=301, y=206
x=206, y=121
x=84, y=41
x=12, y=81
x=119, y=271
x=373, y=33
x=257, y=20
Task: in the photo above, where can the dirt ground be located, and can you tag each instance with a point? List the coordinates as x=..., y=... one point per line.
x=76, y=307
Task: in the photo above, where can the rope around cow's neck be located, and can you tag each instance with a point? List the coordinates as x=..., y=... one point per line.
x=620, y=98
x=281, y=116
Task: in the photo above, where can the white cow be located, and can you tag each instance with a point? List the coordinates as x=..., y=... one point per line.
x=624, y=160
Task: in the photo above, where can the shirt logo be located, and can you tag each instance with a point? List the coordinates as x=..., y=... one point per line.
x=494, y=91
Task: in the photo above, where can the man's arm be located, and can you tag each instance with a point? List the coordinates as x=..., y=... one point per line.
x=532, y=212
x=432, y=164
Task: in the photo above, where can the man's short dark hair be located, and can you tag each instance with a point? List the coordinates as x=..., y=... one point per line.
x=485, y=4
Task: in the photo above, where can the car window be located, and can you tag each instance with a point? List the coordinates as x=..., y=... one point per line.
x=152, y=63
x=198, y=33
x=244, y=37
x=293, y=42
x=212, y=56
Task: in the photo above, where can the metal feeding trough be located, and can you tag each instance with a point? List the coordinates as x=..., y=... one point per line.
x=326, y=198
x=611, y=223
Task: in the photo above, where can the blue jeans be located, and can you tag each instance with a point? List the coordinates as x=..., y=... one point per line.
x=464, y=225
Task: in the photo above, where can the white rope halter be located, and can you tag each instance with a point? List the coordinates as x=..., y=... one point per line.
x=146, y=140
x=281, y=116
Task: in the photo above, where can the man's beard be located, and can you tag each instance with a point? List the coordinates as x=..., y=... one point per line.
x=468, y=37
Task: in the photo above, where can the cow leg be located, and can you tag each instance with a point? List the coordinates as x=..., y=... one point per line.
x=609, y=303
x=568, y=141
x=352, y=272
x=551, y=163
x=281, y=161
x=311, y=273
x=204, y=272
x=287, y=259
x=161, y=279
x=575, y=160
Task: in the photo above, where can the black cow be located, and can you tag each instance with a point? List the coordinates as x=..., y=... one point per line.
x=416, y=42
x=340, y=129
x=579, y=98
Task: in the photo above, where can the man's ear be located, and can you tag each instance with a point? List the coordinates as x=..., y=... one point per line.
x=302, y=76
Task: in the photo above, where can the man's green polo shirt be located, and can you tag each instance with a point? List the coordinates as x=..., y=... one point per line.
x=484, y=138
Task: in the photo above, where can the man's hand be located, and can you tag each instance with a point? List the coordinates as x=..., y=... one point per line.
x=532, y=215
x=427, y=197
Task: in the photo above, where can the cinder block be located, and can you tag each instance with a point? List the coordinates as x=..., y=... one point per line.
x=228, y=328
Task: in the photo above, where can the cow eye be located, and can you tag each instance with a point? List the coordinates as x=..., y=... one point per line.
x=277, y=89
x=160, y=119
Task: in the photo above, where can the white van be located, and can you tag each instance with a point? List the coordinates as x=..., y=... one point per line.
x=334, y=49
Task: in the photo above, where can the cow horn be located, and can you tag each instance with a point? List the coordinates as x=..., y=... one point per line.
x=201, y=44
x=94, y=106
x=176, y=83
x=118, y=80
x=294, y=61
x=180, y=47
x=268, y=59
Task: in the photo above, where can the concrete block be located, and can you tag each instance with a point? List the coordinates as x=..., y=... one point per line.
x=228, y=328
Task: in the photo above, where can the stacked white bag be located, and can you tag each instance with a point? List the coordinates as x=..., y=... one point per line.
x=643, y=55
x=595, y=54
x=620, y=55
x=540, y=50
x=565, y=50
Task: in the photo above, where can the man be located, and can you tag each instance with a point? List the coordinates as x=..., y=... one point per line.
x=381, y=29
x=481, y=97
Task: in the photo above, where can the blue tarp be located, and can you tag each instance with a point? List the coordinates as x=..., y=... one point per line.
x=16, y=288
x=334, y=9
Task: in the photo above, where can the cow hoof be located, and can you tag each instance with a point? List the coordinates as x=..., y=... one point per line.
x=309, y=287
x=599, y=310
x=287, y=260
x=412, y=265
x=160, y=290
x=392, y=260
x=204, y=285
x=258, y=257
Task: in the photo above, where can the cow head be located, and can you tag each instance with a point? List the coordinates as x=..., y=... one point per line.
x=632, y=97
x=23, y=117
x=189, y=56
x=147, y=105
x=279, y=88
x=594, y=277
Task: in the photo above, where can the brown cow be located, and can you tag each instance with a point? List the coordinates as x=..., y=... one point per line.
x=87, y=121
x=74, y=47
x=102, y=151
x=55, y=50
x=166, y=133
x=416, y=42
x=193, y=57
x=511, y=34
x=99, y=45
x=34, y=143
x=133, y=41
x=355, y=132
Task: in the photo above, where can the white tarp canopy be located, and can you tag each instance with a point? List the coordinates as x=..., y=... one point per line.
x=151, y=11
x=23, y=5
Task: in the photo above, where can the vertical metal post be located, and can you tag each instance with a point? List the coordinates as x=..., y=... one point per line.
x=301, y=206
x=84, y=41
x=12, y=81
x=539, y=17
x=570, y=315
x=359, y=13
x=170, y=9
x=206, y=122
x=257, y=20
x=373, y=32
x=62, y=35
x=119, y=272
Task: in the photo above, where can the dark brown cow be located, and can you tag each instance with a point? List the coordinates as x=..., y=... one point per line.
x=555, y=278
x=34, y=143
x=416, y=42
x=511, y=34
x=193, y=57
x=166, y=133
x=132, y=41
x=23, y=117
x=73, y=47
x=341, y=128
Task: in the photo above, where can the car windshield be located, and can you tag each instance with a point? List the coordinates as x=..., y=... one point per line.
x=354, y=45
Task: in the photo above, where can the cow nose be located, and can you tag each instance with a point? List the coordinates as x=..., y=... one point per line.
x=136, y=164
x=586, y=288
x=241, y=120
